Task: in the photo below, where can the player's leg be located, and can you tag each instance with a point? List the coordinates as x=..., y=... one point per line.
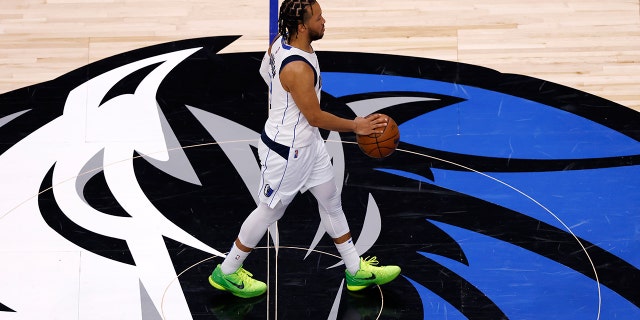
x=335, y=223
x=280, y=181
x=229, y=275
x=360, y=273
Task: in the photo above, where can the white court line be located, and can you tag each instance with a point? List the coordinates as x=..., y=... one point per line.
x=593, y=267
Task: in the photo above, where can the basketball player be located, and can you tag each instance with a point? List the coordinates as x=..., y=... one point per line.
x=293, y=155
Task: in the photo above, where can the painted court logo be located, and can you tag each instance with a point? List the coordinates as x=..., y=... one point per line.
x=138, y=170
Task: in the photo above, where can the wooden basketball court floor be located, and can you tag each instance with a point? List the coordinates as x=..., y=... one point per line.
x=508, y=220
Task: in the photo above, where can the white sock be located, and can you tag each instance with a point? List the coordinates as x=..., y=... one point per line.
x=349, y=255
x=234, y=260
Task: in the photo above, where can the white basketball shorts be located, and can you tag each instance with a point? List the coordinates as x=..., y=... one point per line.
x=282, y=178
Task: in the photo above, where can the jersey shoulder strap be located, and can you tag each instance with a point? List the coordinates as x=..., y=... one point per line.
x=296, y=57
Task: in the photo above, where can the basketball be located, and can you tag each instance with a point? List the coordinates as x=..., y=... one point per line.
x=380, y=145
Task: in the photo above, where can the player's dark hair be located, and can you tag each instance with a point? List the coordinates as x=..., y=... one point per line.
x=292, y=13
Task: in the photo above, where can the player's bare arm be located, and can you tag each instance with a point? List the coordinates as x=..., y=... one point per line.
x=297, y=78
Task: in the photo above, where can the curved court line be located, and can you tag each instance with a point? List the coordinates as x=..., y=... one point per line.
x=584, y=249
x=349, y=142
x=267, y=247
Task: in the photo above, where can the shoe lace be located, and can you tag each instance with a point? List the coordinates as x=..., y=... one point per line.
x=372, y=261
x=244, y=274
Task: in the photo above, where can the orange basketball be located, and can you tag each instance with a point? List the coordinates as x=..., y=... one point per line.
x=380, y=145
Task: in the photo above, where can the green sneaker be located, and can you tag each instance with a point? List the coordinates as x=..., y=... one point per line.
x=239, y=283
x=369, y=274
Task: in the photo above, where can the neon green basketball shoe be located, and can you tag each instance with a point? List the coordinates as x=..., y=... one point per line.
x=370, y=274
x=239, y=283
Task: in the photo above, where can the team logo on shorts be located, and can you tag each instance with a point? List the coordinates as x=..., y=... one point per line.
x=268, y=191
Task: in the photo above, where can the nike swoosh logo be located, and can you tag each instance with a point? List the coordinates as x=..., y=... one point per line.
x=372, y=277
x=239, y=286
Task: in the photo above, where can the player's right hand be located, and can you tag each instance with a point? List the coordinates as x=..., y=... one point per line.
x=373, y=123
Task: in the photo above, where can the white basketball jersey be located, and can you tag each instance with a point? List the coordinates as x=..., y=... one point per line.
x=286, y=125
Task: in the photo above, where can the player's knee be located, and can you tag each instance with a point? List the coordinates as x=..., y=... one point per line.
x=258, y=222
x=270, y=215
x=331, y=204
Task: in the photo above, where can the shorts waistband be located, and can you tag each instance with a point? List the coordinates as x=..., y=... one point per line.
x=280, y=149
